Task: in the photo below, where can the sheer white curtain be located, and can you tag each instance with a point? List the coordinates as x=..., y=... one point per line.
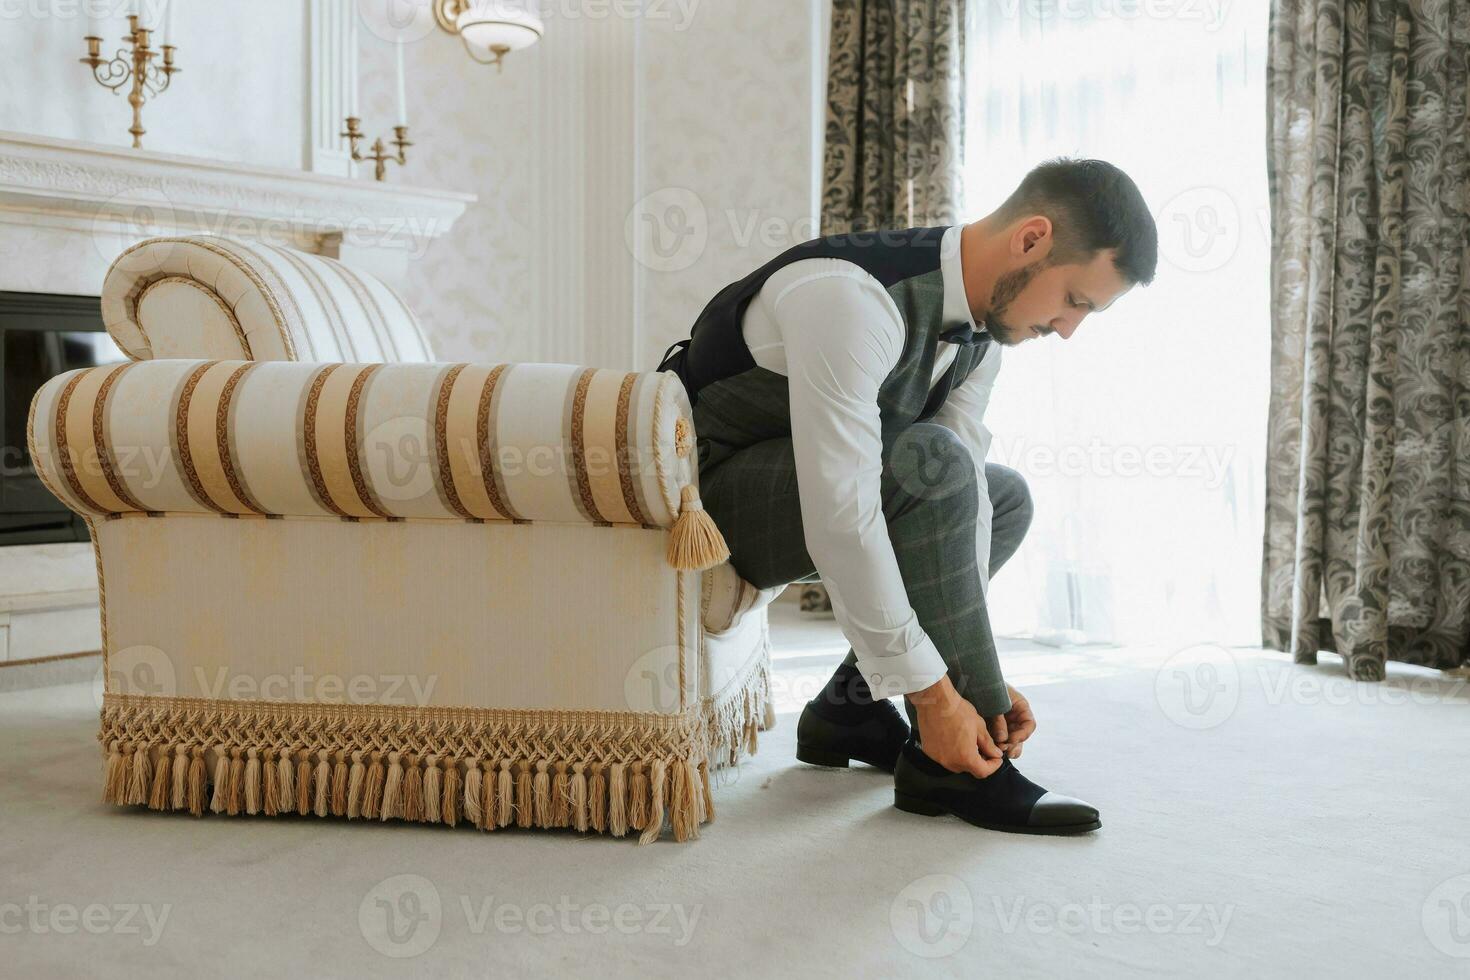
x=1141, y=437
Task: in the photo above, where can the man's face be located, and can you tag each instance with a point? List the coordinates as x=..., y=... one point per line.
x=1041, y=297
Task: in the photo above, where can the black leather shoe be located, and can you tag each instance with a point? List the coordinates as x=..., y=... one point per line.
x=1004, y=800
x=877, y=739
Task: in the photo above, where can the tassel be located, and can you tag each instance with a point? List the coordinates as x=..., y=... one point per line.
x=111, y=770
x=252, y=781
x=694, y=541
x=523, y=793
x=142, y=780
x=356, y=783
x=638, y=798
x=180, y=797
x=372, y=803
x=159, y=798
x=221, y=781
x=657, y=786
x=687, y=805
x=679, y=809
x=505, y=795
x=432, y=789
x=617, y=820
x=472, y=811
x=579, y=798
x=597, y=798
x=272, y=775
x=284, y=772
x=339, y=785
x=235, y=796
x=115, y=773
x=449, y=801
x=303, y=783
x=322, y=783
x=413, y=789
x=196, y=780
x=541, y=794
x=704, y=791
x=561, y=797
x=392, y=805
x=487, y=795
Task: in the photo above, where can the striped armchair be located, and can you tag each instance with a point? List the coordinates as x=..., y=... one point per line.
x=385, y=587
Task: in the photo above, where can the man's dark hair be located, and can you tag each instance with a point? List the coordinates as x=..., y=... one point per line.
x=1092, y=206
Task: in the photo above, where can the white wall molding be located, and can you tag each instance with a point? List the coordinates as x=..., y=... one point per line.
x=585, y=151
x=331, y=86
x=68, y=208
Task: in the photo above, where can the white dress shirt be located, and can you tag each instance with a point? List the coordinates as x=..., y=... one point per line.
x=832, y=329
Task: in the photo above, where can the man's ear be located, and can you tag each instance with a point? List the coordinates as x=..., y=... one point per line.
x=1032, y=234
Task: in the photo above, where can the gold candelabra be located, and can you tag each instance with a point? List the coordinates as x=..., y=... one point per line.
x=136, y=66
x=380, y=155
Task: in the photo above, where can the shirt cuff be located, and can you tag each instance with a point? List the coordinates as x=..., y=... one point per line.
x=904, y=673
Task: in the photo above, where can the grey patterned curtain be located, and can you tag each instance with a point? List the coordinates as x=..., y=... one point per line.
x=1367, y=547
x=895, y=114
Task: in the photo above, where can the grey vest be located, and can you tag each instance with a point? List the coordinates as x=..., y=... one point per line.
x=737, y=403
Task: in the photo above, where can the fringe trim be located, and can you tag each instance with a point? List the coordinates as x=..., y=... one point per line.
x=235, y=762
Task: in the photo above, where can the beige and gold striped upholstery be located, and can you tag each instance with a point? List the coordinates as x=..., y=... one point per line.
x=205, y=296
x=508, y=442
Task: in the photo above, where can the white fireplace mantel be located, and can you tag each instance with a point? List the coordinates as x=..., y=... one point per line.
x=67, y=208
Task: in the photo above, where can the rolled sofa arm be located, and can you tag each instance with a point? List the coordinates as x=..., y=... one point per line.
x=206, y=296
x=476, y=442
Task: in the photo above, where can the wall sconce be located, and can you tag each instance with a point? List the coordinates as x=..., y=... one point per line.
x=496, y=27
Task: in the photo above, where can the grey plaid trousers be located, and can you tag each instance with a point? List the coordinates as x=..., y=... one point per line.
x=930, y=498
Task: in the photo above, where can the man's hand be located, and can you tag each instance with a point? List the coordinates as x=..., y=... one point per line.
x=951, y=731
x=1009, y=730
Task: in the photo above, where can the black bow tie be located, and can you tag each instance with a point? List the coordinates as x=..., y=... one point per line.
x=963, y=334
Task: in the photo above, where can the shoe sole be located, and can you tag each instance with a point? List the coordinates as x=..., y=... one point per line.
x=925, y=808
x=833, y=760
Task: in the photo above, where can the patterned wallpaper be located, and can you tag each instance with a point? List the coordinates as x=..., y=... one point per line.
x=723, y=177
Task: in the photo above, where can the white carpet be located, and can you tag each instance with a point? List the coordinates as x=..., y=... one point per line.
x=1293, y=825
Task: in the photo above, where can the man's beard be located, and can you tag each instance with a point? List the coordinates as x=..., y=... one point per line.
x=1007, y=288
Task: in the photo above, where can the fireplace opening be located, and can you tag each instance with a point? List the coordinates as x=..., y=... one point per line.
x=41, y=335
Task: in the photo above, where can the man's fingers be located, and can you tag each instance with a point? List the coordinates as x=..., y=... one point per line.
x=999, y=730
x=981, y=767
x=1022, y=731
x=983, y=742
